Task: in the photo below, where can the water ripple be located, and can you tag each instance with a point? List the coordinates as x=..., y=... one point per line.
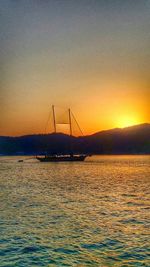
x=90, y=214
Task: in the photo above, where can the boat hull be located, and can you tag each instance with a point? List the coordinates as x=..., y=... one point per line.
x=62, y=158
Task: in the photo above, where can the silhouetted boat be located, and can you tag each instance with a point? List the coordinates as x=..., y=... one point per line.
x=61, y=158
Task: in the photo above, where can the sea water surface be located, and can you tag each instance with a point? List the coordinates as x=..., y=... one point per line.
x=92, y=213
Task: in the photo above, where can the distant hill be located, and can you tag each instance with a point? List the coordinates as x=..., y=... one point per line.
x=129, y=140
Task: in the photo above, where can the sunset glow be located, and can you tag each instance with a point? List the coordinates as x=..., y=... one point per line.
x=127, y=121
x=91, y=57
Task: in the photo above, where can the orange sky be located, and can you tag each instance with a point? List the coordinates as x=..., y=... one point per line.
x=91, y=56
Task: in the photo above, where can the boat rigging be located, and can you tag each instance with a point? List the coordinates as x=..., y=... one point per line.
x=71, y=156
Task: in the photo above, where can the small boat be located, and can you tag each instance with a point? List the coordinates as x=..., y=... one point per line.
x=63, y=158
x=20, y=160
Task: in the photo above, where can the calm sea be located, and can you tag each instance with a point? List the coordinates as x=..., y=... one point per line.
x=92, y=213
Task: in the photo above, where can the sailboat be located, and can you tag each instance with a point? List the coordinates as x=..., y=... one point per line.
x=61, y=158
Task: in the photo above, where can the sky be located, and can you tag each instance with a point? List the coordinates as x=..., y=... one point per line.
x=92, y=56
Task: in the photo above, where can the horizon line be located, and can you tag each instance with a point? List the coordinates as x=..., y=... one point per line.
x=121, y=128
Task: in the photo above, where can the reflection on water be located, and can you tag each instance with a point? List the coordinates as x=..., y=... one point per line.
x=75, y=214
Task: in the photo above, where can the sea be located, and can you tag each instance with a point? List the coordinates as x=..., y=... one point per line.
x=92, y=213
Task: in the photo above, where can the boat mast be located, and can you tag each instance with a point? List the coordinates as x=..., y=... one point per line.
x=70, y=124
x=54, y=119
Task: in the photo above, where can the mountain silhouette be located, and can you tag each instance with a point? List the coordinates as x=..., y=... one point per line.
x=129, y=140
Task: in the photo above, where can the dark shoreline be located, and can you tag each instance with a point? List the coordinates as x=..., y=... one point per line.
x=133, y=140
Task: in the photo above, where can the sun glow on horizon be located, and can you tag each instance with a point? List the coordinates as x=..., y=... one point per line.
x=89, y=57
x=126, y=121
